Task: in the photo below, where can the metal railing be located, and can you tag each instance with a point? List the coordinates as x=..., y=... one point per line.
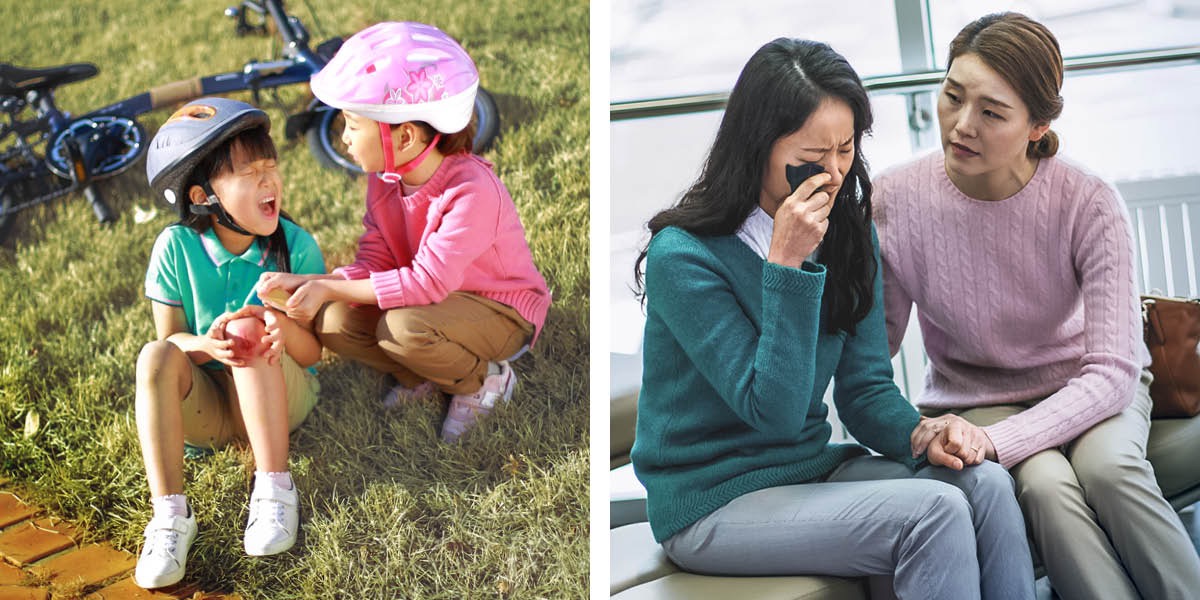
x=911, y=82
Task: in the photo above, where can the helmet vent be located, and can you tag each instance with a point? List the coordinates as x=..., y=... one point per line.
x=196, y=112
x=424, y=57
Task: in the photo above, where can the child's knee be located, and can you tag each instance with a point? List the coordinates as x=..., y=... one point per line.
x=160, y=358
x=246, y=334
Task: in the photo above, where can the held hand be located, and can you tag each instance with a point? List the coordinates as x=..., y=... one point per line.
x=218, y=345
x=926, y=430
x=286, y=282
x=970, y=443
x=273, y=338
x=938, y=455
x=953, y=436
x=307, y=300
x=800, y=222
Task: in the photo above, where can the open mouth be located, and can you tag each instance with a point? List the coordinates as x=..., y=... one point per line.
x=269, y=206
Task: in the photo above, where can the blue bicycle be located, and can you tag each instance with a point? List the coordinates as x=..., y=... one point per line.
x=46, y=153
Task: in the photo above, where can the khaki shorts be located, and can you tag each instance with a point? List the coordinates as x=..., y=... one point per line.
x=211, y=417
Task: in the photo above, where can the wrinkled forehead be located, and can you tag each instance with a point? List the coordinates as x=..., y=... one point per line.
x=830, y=125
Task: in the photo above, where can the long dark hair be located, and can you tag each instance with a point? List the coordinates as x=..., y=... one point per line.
x=257, y=144
x=781, y=85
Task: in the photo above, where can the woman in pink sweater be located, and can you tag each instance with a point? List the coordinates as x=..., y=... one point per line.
x=1020, y=264
x=443, y=291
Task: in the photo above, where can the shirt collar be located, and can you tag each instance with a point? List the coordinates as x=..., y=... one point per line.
x=756, y=231
x=220, y=256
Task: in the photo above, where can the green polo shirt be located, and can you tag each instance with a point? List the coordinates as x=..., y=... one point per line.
x=196, y=273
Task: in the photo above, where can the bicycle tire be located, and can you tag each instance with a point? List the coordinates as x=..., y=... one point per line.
x=487, y=121
x=325, y=142
x=8, y=199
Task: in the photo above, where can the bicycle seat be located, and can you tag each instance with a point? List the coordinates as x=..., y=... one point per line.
x=16, y=80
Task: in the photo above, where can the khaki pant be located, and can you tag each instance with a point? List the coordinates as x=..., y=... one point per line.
x=211, y=417
x=448, y=343
x=1096, y=514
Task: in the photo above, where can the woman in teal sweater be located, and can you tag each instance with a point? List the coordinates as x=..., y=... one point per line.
x=759, y=292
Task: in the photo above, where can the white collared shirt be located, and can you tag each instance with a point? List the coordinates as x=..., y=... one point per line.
x=756, y=231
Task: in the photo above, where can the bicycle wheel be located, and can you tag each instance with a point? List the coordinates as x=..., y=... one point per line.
x=487, y=121
x=8, y=199
x=325, y=142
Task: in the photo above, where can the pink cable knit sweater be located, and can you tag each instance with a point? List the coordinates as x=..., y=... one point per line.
x=1029, y=297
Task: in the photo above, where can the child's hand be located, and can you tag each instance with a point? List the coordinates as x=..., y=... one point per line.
x=219, y=346
x=277, y=281
x=273, y=339
x=307, y=300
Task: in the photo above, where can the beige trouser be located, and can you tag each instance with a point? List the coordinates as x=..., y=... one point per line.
x=1096, y=514
x=448, y=343
x=212, y=416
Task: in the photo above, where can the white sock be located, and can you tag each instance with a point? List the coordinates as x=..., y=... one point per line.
x=281, y=480
x=493, y=368
x=171, y=505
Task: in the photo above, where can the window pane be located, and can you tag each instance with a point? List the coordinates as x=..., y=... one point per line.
x=1133, y=125
x=673, y=48
x=1081, y=26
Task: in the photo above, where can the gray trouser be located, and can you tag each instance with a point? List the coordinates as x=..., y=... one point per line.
x=873, y=517
x=1097, y=515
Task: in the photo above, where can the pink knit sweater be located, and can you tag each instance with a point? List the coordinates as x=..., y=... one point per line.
x=459, y=232
x=1026, y=298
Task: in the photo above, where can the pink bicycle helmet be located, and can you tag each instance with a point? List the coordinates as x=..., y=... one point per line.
x=399, y=72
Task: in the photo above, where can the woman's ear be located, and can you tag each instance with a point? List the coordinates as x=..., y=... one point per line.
x=1038, y=131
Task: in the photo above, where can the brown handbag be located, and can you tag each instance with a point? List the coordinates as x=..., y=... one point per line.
x=1172, y=331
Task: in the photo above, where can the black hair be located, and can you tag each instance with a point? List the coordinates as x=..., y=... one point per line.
x=257, y=143
x=780, y=86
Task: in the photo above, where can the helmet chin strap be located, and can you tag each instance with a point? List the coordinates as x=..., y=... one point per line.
x=214, y=208
x=391, y=173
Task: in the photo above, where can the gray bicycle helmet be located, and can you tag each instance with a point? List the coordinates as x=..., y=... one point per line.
x=186, y=138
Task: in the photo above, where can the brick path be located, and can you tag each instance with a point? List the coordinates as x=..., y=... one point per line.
x=41, y=559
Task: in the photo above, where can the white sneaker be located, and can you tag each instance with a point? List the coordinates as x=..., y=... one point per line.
x=274, y=519
x=164, y=555
x=466, y=409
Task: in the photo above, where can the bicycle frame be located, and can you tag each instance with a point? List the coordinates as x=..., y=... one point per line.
x=299, y=64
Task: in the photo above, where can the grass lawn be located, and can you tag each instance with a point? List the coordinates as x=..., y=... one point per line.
x=388, y=511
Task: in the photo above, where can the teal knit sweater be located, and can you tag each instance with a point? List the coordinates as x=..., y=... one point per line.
x=737, y=360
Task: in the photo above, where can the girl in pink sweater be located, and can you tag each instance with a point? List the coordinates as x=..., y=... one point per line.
x=443, y=291
x=1020, y=264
